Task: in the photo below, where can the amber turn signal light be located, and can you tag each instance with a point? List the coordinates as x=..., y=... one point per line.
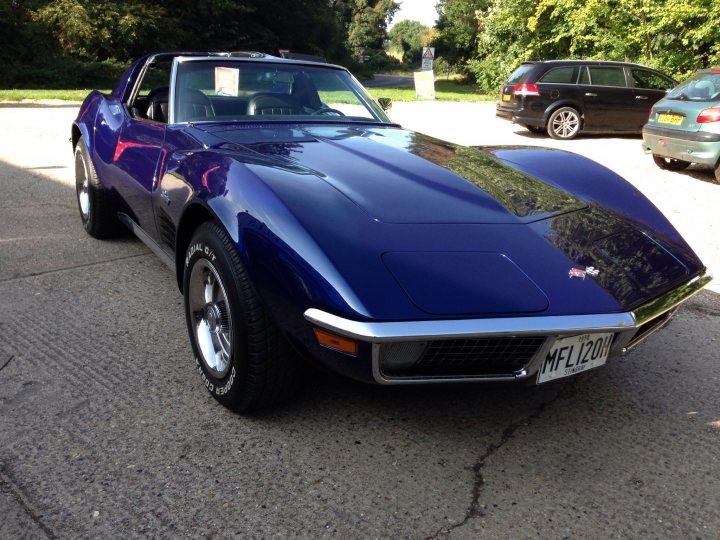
x=336, y=343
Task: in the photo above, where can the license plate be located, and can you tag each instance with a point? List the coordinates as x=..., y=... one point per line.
x=506, y=97
x=672, y=119
x=574, y=354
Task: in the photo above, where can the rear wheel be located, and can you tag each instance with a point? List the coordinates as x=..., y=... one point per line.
x=564, y=124
x=717, y=172
x=671, y=164
x=99, y=218
x=243, y=360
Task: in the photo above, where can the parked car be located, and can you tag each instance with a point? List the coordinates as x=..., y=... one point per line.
x=300, y=222
x=566, y=97
x=684, y=127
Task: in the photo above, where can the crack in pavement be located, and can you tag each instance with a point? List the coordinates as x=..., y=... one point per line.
x=6, y=363
x=85, y=265
x=474, y=509
x=13, y=490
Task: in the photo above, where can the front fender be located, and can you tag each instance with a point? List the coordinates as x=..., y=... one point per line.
x=287, y=267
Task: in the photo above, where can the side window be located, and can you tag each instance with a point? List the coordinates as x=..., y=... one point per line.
x=560, y=75
x=584, y=77
x=650, y=81
x=151, y=100
x=607, y=76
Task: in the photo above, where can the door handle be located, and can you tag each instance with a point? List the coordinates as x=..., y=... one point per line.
x=641, y=97
x=590, y=94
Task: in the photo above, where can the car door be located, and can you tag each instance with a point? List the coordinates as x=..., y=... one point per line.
x=607, y=99
x=650, y=87
x=132, y=148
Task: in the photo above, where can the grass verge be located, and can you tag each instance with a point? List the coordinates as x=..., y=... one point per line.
x=37, y=95
x=444, y=91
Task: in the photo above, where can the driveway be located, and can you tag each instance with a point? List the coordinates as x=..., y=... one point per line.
x=107, y=431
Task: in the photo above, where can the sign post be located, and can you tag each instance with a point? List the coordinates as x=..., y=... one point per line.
x=428, y=55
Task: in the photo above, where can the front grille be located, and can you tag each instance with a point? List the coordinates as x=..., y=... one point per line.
x=472, y=357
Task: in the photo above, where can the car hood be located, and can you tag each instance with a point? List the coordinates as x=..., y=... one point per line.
x=403, y=226
x=398, y=176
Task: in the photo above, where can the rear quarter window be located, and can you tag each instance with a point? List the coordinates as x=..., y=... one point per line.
x=560, y=75
x=519, y=74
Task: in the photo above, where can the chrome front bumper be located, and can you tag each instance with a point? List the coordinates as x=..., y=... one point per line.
x=630, y=328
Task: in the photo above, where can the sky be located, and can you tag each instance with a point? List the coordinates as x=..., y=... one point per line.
x=416, y=10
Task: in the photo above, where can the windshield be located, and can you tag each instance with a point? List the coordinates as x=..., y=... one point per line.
x=700, y=87
x=227, y=90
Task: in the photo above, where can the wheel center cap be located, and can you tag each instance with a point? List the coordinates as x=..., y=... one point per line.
x=213, y=317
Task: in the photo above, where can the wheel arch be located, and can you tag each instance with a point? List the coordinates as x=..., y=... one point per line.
x=194, y=215
x=564, y=103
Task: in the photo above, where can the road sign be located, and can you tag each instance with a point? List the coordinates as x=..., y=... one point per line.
x=428, y=55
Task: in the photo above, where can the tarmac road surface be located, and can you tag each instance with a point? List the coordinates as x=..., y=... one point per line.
x=107, y=431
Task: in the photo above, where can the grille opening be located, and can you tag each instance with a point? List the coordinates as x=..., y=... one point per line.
x=645, y=329
x=463, y=357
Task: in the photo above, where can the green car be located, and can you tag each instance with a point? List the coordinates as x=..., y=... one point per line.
x=684, y=126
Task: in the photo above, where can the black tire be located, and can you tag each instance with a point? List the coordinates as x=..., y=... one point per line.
x=535, y=129
x=670, y=164
x=717, y=172
x=256, y=367
x=99, y=218
x=564, y=124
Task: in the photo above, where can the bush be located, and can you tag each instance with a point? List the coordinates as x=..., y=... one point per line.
x=63, y=72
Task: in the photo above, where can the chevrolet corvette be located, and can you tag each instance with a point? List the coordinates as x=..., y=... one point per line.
x=304, y=226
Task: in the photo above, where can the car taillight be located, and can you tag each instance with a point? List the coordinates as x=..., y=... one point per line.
x=526, y=89
x=652, y=111
x=709, y=115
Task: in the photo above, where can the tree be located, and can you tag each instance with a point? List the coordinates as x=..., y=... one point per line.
x=408, y=38
x=457, y=30
x=368, y=27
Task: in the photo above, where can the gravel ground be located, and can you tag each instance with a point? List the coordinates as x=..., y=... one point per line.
x=106, y=430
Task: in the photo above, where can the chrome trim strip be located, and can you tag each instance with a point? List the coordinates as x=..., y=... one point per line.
x=146, y=239
x=379, y=332
x=671, y=299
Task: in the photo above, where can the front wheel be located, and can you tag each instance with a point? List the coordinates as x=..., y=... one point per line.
x=243, y=360
x=564, y=124
x=670, y=164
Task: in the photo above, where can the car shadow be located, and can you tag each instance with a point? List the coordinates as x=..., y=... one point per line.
x=522, y=132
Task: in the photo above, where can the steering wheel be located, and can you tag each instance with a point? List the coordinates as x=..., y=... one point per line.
x=326, y=110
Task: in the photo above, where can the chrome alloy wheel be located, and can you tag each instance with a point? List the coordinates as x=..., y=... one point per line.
x=210, y=315
x=83, y=192
x=565, y=124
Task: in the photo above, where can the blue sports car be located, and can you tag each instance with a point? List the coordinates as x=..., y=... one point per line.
x=304, y=226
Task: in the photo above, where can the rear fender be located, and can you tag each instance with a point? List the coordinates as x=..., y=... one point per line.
x=555, y=105
x=84, y=124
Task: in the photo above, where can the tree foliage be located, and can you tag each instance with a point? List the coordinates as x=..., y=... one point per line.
x=368, y=26
x=489, y=38
x=408, y=38
x=56, y=37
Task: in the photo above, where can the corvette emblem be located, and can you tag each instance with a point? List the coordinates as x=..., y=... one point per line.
x=581, y=273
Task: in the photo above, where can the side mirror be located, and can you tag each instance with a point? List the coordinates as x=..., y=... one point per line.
x=385, y=103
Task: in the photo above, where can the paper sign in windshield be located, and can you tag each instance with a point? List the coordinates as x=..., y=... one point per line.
x=227, y=81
